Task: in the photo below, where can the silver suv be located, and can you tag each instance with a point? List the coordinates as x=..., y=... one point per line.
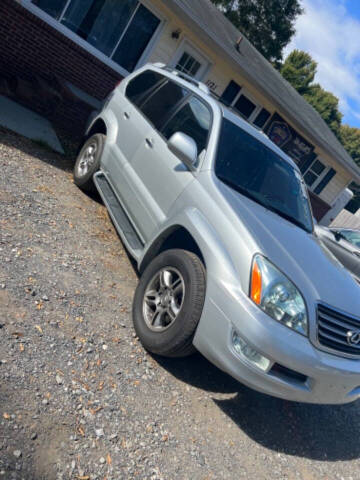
x=219, y=222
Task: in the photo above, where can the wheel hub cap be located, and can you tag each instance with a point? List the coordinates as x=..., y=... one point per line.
x=163, y=299
x=87, y=159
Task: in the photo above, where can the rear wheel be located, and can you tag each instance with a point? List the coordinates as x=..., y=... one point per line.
x=168, y=303
x=88, y=162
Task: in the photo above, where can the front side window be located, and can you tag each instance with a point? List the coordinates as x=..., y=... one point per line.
x=193, y=119
x=162, y=102
x=141, y=86
x=120, y=29
x=254, y=170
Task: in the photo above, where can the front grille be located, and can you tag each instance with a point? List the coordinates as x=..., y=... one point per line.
x=333, y=328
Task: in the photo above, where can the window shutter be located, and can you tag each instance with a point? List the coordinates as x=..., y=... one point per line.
x=325, y=181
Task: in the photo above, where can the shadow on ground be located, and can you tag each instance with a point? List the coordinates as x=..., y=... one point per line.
x=317, y=432
x=37, y=149
x=45, y=154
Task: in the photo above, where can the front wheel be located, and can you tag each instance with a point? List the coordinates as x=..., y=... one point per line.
x=168, y=303
x=88, y=162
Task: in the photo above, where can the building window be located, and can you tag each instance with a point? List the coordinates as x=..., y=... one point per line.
x=121, y=30
x=230, y=93
x=188, y=65
x=245, y=107
x=51, y=7
x=236, y=97
x=262, y=118
x=318, y=176
x=315, y=173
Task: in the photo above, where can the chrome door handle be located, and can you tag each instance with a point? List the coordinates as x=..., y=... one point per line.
x=127, y=115
x=149, y=142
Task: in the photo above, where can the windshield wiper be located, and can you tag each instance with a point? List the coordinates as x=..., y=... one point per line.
x=264, y=203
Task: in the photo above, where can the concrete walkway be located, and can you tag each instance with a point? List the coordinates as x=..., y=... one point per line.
x=27, y=123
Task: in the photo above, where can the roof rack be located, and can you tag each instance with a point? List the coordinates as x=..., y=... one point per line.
x=201, y=86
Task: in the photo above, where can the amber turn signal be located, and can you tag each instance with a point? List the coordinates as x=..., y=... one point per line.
x=256, y=283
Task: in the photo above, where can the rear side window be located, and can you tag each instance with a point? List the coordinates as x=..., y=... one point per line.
x=162, y=102
x=142, y=85
x=194, y=119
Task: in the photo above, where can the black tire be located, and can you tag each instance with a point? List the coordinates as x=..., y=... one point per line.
x=176, y=340
x=84, y=178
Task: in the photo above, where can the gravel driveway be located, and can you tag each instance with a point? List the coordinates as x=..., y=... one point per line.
x=79, y=397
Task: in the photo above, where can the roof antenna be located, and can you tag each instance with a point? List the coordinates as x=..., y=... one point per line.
x=238, y=43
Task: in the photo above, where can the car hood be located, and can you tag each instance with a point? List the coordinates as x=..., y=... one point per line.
x=300, y=255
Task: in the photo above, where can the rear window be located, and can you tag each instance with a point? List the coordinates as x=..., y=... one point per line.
x=162, y=102
x=194, y=119
x=142, y=85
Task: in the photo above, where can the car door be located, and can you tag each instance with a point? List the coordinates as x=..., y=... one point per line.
x=158, y=176
x=130, y=126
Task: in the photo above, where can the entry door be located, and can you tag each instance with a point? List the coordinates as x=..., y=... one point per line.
x=190, y=61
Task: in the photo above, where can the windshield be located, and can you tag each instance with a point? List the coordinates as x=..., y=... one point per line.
x=251, y=168
x=351, y=236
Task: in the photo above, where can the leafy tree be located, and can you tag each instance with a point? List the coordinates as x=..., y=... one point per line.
x=299, y=69
x=268, y=24
x=350, y=138
x=327, y=105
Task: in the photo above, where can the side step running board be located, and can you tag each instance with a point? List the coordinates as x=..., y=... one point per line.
x=116, y=212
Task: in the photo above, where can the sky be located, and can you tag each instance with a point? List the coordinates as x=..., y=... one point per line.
x=329, y=31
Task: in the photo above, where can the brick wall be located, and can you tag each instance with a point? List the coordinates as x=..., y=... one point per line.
x=30, y=47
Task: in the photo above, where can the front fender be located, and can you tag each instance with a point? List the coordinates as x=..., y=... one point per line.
x=111, y=123
x=217, y=260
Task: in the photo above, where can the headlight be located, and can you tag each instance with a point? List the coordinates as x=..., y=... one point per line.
x=277, y=295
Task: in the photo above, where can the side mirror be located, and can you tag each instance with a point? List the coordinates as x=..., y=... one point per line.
x=338, y=236
x=185, y=148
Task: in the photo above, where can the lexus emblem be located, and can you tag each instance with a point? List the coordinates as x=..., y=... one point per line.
x=353, y=338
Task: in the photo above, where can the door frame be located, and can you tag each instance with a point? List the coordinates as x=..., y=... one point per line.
x=186, y=45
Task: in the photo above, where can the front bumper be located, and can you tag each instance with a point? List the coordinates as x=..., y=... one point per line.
x=324, y=379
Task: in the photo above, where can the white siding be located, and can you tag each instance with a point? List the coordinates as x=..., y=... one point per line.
x=165, y=49
x=335, y=187
x=346, y=219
